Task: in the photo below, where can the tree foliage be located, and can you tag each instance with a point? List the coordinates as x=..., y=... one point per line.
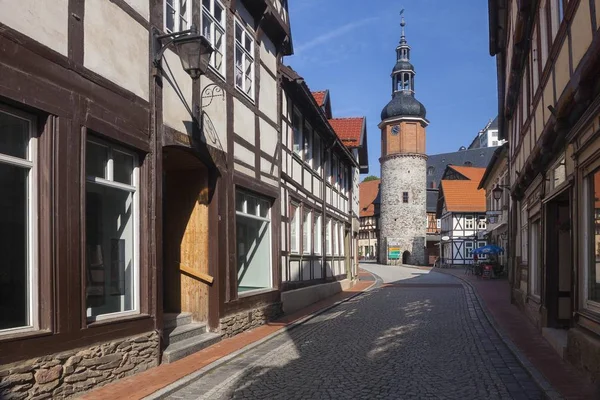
x=370, y=178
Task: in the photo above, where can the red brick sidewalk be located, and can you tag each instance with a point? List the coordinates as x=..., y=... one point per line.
x=148, y=382
x=563, y=377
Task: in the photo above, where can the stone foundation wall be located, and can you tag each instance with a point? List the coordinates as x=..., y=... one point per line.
x=583, y=351
x=233, y=324
x=65, y=374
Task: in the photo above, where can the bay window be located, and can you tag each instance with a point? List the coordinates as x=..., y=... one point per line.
x=295, y=229
x=18, y=226
x=112, y=230
x=253, y=233
x=177, y=15
x=213, y=28
x=244, y=60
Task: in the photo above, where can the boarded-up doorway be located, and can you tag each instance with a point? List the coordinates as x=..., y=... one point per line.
x=185, y=236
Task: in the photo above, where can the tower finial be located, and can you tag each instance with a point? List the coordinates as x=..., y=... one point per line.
x=402, y=23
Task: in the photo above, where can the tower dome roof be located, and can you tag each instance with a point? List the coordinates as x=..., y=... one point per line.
x=403, y=65
x=403, y=104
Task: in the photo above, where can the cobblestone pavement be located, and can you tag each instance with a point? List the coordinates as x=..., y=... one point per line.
x=419, y=335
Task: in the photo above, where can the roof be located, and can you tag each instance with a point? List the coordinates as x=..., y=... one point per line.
x=494, y=124
x=437, y=163
x=464, y=195
x=499, y=154
x=368, y=192
x=320, y=97
x=349, y=130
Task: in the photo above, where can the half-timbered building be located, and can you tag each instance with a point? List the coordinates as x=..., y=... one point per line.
x=549, y=111
x=461, y=209
x=317, y=246
x=369, y=219
x=116, y=167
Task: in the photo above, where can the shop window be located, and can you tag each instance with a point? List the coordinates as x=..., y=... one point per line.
x=295, y=229
x=177, y=15
x=306, y=232
x=524, y=234
x=213, y=28
x=18, y=228
x=534, y=259
x=244, y=60
x=112, y=231
x=253, y=232
x=592, y=273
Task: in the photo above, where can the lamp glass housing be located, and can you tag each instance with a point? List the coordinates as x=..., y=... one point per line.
x=195, y=52
x=497, y=193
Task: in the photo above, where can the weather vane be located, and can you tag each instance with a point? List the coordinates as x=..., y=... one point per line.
x=402, y=22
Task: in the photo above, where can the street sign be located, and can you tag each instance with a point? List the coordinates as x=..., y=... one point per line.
x=445, y=238
x=493, y=213
x=393, y=252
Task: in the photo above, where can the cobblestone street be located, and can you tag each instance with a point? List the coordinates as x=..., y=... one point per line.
x=417, y=335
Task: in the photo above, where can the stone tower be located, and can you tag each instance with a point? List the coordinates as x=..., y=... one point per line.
x=403, y=215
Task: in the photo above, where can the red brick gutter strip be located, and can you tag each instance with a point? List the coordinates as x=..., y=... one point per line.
x=161, y=381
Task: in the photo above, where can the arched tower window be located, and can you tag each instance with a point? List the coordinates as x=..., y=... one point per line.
x=430, y=171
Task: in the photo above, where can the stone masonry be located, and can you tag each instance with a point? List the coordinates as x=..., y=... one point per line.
x=75, y=371
x=245, y=320
x=404, y=223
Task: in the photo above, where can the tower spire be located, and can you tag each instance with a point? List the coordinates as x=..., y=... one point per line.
x=402, y=24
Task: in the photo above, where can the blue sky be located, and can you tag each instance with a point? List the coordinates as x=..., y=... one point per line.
x=348, y=47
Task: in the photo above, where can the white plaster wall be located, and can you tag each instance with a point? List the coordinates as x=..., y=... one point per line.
x=116, y=46
x=243, y=170
x=268, y=54
x=268, y=94
x=266, y=166
x=268, y=138
x=269, y=181
x=243, y=154
x=243, y=121
x=141, y=6
x=44, y=21
x=217, y=113
x=175, y=113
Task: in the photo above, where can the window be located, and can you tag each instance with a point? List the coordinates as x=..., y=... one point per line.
x=534, y=259
x=494, y=143
x=317, y=154
x=469, y=222
x=297, y=128
x=294, y=229
x=430, y=171
x=328, y=237
x=524, y=234
x=439, y=224
x=306, y=232
x=468, y=250
x=317, y=229
x=308, y=144
x=556, y=15
x=176, y=15
x=342, y=241
x=544, y=32
x=405, y=197
x=336, y=245
x=592, y=272
x=213, y=28
x=481, y=224
x=244, y=60
x=334, y=172
x=18, y=228
x=253, y=232
x=112, y=230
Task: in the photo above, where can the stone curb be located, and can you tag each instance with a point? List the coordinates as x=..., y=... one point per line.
x=536, y=375
x=194, y=376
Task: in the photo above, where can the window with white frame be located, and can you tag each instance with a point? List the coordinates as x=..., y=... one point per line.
x=244, y=60
x=469, y=222
x=524, y=234
x=112, y=230
x=213, y=28
x=253, y=241
x=481, y=244
x=334, y=171
x=468, y=250
x=317, y=153
x=295, y=229
x=481, y=223
x=336, y=240
x=306, y=232
x=534, y=258
x=297, y=131
x=317, y=229
x=18, y=226
x=556, y=15
x=543, y=33
x=328, y=238
x=177, y=15
x=308, y=150
x=342, y=241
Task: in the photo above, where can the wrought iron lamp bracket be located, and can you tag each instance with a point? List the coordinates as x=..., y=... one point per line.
x=210, y=92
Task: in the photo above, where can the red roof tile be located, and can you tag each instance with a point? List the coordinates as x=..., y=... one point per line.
x=367, y=192
x=348, y=129
x=319, y=97
x=463, y=195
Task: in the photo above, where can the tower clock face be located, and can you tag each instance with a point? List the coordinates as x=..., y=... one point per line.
x=395, y=130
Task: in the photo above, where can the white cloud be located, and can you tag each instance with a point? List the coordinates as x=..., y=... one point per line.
x=327, y=36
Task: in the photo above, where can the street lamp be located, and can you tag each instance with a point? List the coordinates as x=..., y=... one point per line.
x=194, y=50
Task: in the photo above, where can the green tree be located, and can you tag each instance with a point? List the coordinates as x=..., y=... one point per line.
x=370, y=178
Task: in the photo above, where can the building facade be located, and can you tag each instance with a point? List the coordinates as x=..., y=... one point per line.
x=462, y=211
x=403, y=166
x=488, y=136
x=124, y=168
x=369, y=220
x=549, y=111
